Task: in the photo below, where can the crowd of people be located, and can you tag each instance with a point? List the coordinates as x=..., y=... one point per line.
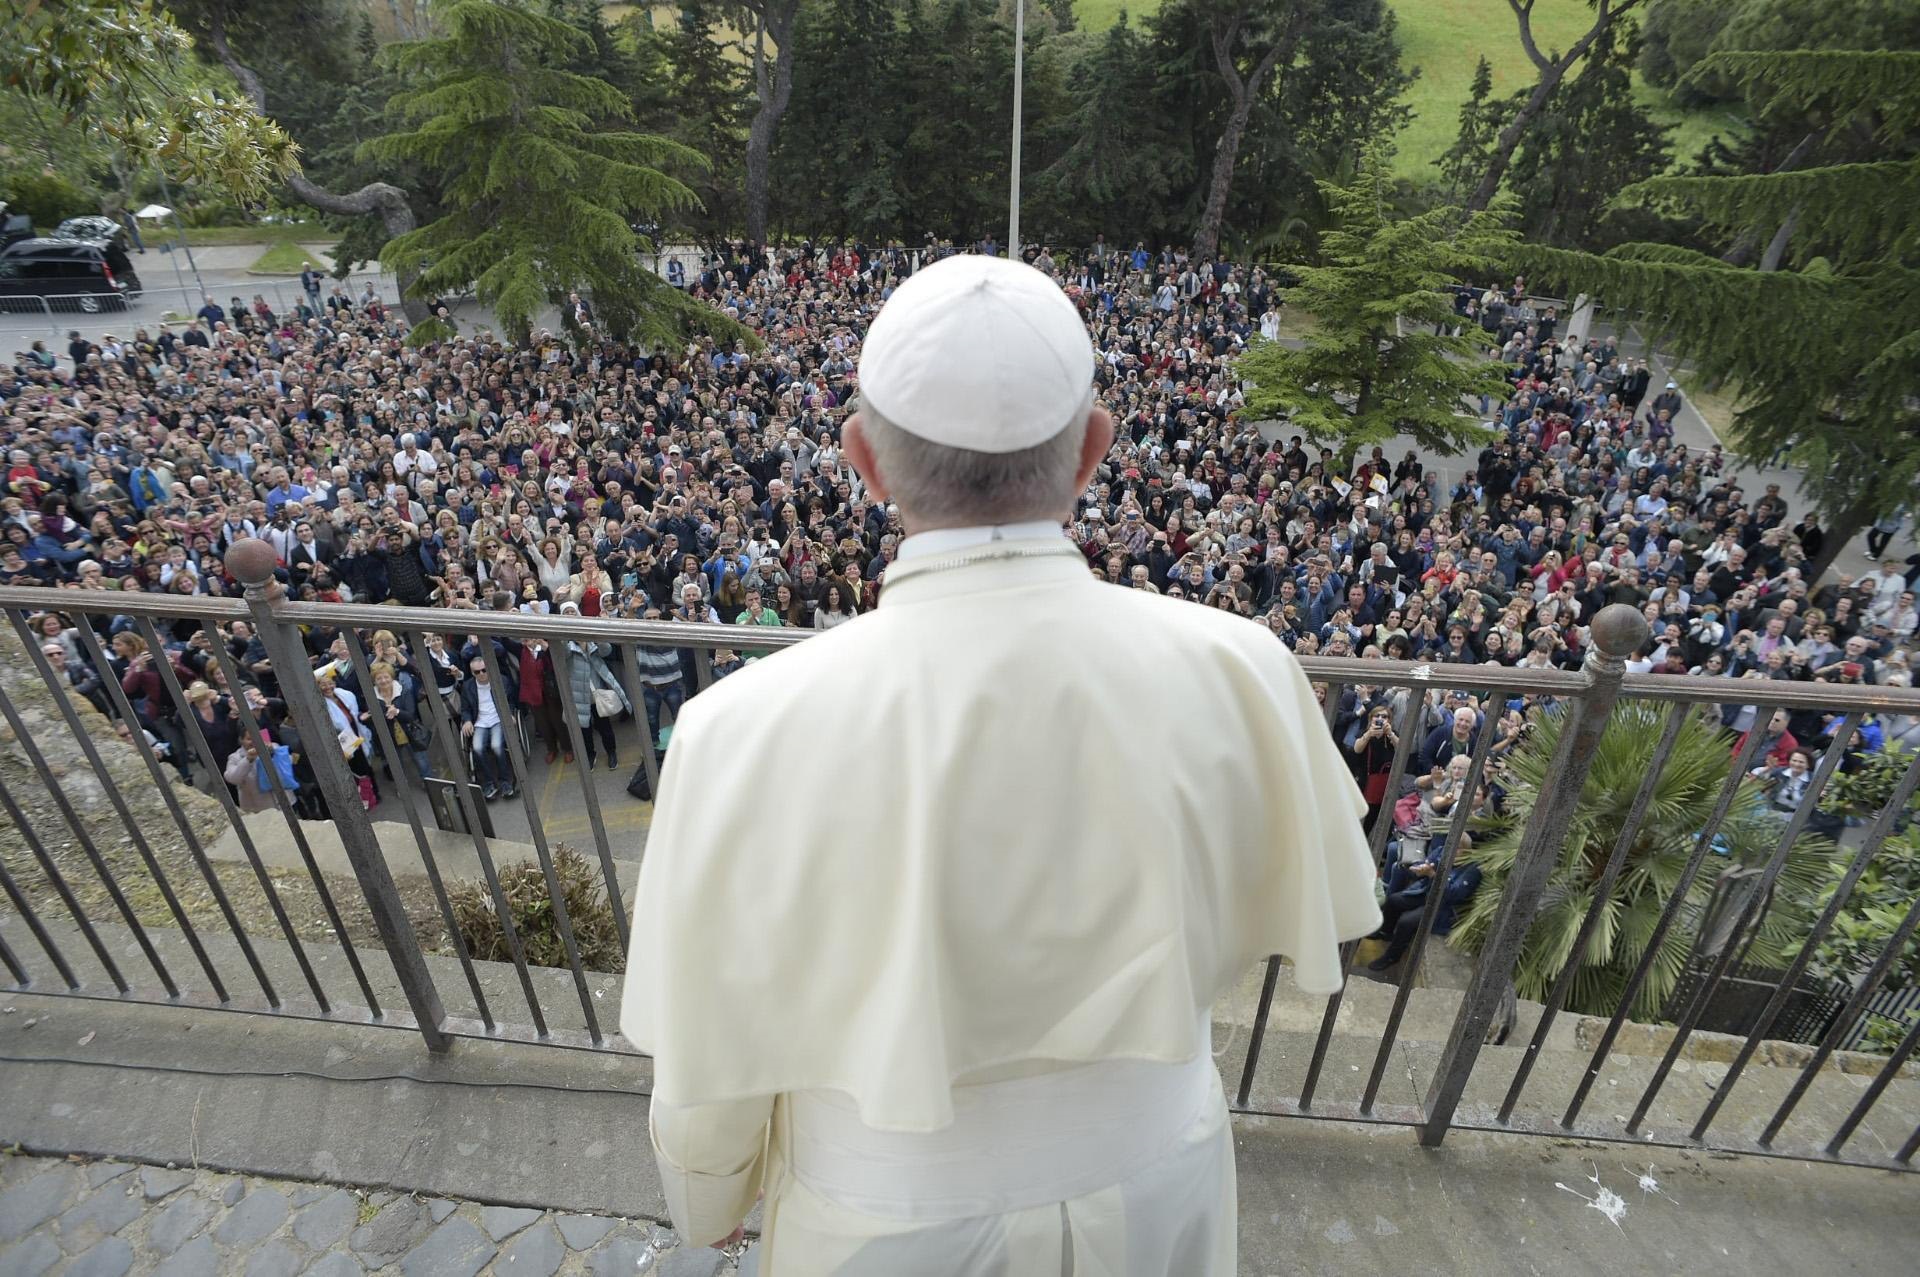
x=706, y=484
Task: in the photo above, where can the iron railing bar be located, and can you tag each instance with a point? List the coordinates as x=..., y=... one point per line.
x=536, y=828
x=58, y=690
x=1876, y=838
x=1260, y=1015
x=1908, y=1149
x=1602, y=894
x=12, y=964
x=1330, y=710
x=1430, y=909
x=165, y=607
x=1333, y=669
x=1616, y=632
x=458, y=758
x=1702, y=848
x=1410, y=714
x=25, y=909
x=237, y=688
x=118, y=699
x=1750, y=913
x=1881, y=1080
x=650, y=762
x=253, y=563
x=702, y=673
x=47, y=866
x=1848, y=1017
x=603, y=848
x=196, y=737
x=363, y=674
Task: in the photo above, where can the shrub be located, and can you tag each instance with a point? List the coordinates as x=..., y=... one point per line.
x=595, y=929
x=48, y=198
x=1684, y=796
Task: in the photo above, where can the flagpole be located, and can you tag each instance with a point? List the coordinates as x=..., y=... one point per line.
x=1019, y=68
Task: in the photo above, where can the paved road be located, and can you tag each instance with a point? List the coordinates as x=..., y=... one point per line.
x=61, y=1218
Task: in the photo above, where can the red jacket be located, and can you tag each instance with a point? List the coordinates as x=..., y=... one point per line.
x=536, y=669
x=1782, y=749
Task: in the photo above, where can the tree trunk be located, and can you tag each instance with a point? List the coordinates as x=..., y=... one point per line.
x=1777, y=249
x=1509, y=139
x=1206, y=241
x=773, y=85
x=389, y=201
x=1552, y=72
x=1840, y=535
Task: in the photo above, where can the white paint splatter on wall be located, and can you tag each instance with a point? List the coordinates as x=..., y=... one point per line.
x=1650, y=1184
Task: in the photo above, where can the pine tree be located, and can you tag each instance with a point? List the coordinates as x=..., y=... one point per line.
x=1380, y=361
x=705, y=108
x=540, y=200
x=1826, y=356
x=1472, y=149
x=1593, y=139
x=837, y=160
x=1119, y=165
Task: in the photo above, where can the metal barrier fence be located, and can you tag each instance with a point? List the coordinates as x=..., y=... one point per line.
x=391, y=978
x=51, y=316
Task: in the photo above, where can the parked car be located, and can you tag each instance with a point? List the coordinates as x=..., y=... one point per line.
x=105, y=231
x=63, y=274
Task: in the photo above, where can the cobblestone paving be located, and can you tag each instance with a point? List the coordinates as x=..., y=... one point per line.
x=63, y=1218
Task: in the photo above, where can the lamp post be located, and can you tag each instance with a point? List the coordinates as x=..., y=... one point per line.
x=166, y=193
x=1019, y=67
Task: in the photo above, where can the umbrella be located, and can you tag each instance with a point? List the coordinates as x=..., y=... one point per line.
x=154, y=211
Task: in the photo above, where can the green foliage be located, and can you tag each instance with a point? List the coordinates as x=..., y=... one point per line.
x=1377, y=365
x=539, y=191
x=1480, y=123
x=689, y=89
x=1865, y=927
x=48, y=198
x=1827, y=358
x=1116, y=165
x=1684, y=796
x=595, y=930
x=1863, y=791
x=1593, y=138
x=838, y=163
x=123, y=66
x=1678, y=34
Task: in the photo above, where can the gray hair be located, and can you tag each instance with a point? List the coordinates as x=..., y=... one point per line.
x=952, y=487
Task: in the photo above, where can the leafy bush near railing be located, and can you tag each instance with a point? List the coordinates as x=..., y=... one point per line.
x=524, y=884
x=1865, y=925
x=1684, y=797
x=1864, y=790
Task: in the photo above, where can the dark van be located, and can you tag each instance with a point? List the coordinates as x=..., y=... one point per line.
x=69, y=275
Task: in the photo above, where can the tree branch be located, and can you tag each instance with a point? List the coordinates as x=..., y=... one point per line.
x=389, y=202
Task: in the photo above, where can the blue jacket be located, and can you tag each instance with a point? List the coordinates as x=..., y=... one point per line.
x=1462, y=882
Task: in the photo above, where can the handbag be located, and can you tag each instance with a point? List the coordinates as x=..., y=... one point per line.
x=607, y=702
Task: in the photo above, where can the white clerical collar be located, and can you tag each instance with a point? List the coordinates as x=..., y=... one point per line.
x=948, y=540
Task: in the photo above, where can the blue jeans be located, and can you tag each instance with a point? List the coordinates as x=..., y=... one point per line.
x=672, y=695
x=489, y=745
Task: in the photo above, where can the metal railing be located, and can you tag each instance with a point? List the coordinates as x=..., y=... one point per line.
x=202, y=953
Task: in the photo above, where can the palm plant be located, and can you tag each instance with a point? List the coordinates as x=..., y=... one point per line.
x=1683, y=799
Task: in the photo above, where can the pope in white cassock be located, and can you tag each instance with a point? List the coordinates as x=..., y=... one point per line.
x=961, y=1027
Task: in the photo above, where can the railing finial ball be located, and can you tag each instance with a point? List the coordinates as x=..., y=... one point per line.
x=251, y=560
x=1619, y=630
